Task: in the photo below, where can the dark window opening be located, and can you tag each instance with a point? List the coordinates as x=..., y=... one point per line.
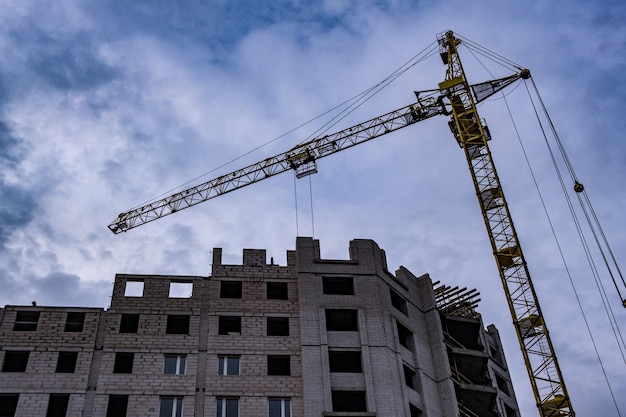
x=26, y=321
x=171, y=407
x=509, y=412
x=123, y=363
x=66, y=363
x=278, y=365
x=15, y=361
x=338, y=285
x=502, y=384
x=345, y=361
x=74, y=322
x=277, y=291
x=8, y=404
x=415, y=412
x=129, y=323
x=118, y=404
x=405, y=336
x=229, y=324
x=398, y=302
x=177, y=324
x=230, y=289
x=228, y=365
x=495, y=353
x=278, y=326
x=57, y=405
x=409, y=377
x=227, y=407
x=342, y=320
x=349, y=401
x=174, y=364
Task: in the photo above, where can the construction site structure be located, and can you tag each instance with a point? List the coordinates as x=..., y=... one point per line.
x=316, y=337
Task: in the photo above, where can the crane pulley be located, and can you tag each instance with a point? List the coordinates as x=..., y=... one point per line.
x=457, y=99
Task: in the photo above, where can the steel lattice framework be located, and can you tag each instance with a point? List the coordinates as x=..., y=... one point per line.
x=472, y=134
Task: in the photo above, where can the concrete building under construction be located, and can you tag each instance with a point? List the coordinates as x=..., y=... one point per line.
x=317, y=337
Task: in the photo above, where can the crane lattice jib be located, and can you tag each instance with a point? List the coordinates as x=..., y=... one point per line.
x=303, y=157
x=472, y=134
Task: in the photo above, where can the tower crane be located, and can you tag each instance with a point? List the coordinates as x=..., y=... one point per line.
x=456, y=98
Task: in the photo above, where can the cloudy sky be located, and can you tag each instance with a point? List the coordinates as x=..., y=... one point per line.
x=107, y=104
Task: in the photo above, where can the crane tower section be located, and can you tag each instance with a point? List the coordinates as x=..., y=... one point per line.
x=472, y=134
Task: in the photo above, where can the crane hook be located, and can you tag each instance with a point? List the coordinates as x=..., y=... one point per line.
x=578, y=187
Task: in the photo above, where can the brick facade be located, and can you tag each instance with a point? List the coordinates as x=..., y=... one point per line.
x=256, y=333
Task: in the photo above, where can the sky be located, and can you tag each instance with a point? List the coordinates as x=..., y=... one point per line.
x=105, y=105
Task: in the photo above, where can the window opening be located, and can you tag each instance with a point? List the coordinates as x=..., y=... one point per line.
x=8, y=404
x=405, y=336
x=509, y=412
x=181, y=289
x=129, y=323
x=278, y=365
x=15, y=361
x=338, y=285
x=174, y=364
x=66, y=363
x=345, y=361
x=502, y=384
x=227, y=407
x=117, y=406
x=177, y=324
x=171, y=407
x=230, y=289
x=74, y=322
x=133, y=289
x=26, y=321
x=123, y=363
x=342, y=320
x=398, y=302
x=229, y=325
x=415, y=412
x=279, y=407
x=348, y=401
x=228, y=365
x=57, y=405
x=278, y=326
x=277, y=291
x=409, y=377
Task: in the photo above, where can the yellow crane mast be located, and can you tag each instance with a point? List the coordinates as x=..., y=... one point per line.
x=458, y=99
x=472, y=134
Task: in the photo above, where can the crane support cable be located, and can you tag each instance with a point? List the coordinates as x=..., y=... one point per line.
x=472, y=134
x=586, y=206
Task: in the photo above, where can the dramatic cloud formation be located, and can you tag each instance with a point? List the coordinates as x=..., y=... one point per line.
x=107, y=104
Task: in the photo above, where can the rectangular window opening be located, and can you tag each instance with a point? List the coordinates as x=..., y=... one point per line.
x=338, y=285
x=345, y=361
x=177, y=324
x=405, y=337
x=278, y=326
x=228, y=365
x=415, y=412
x=279, y=407
x=277, y=291
x=171, y=407
x=129, y=323
x=398, y=302
x=123, y=363
x=229, y=325
x=509, y=411
x=174, y=364
x=409, y=377
x=342, y=320
x=8, y=404
x=15, y=361
x=180, y=289
x=66, y=362
x=278, y=365
x=348, y=401
x=26, y=321
x=74, y=322
x=117, y=406
x=227, y=407
x=133, y=289
x=230, y=289
x=502, y=384
x=57, y=405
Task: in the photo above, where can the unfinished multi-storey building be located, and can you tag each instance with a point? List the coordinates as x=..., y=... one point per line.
x=314, y=338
